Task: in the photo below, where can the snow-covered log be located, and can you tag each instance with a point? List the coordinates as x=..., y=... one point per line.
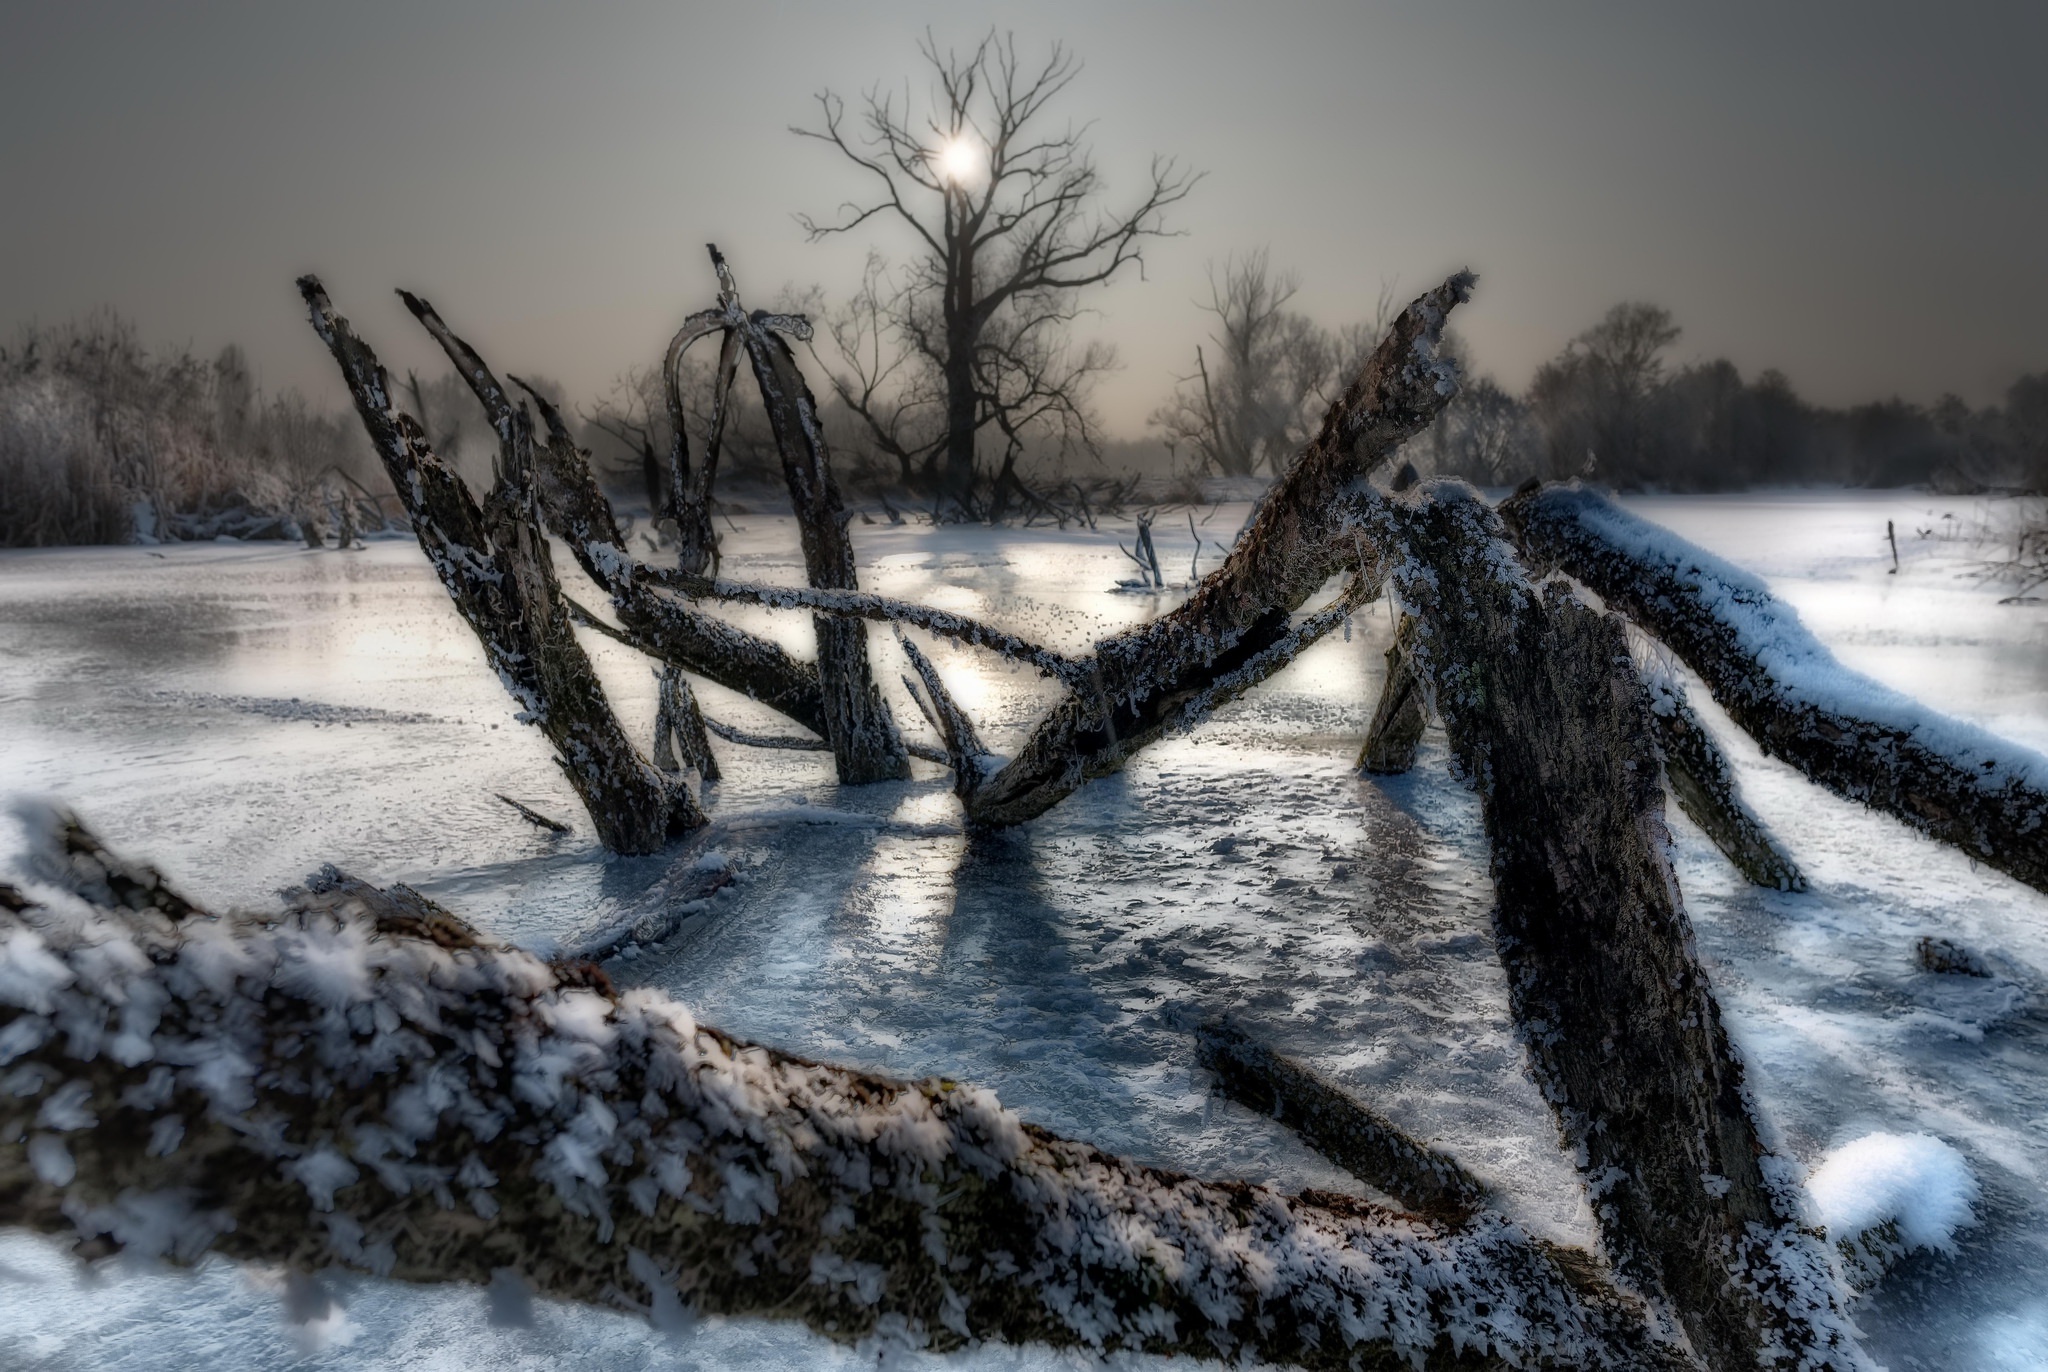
x=362, y=1082
x=1547, y=717
x=1402, y=712
x=1295, y=543
x=495, y=563
x=865, y=743
x=1952, y=781
x=1704, y=785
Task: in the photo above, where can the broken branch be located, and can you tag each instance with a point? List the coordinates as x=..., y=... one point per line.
x=1952, y=781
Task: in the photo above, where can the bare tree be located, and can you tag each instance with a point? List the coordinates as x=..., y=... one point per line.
x=1004, y=214
x=1246, y=405
x=1593, y=399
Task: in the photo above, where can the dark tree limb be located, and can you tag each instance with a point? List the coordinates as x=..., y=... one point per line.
x=1950, y=780
x=1370, y=1148
x=1547, y=717
x=884, y=610
x=865, y=744
x=533, y=816
x=679, y=725
x=791, y=744
x=1402, y=713
x=494, y=562
x=1295, y=542
x=1704, y=786
x=965, y=752
x=363, y=1082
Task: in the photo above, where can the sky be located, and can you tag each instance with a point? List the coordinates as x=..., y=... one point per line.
x=1856, y=194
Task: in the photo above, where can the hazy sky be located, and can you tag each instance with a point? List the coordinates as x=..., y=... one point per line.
x=1855, y=193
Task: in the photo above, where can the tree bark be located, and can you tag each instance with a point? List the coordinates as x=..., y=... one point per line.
x=1704, y=785
x=495, y=563
x=1362, y=1143
x=1952, y=781
x=1295, y=542
x=1402, y=713
x=865, y=744
x=362, y=1082
x=1546, y=716
x=679, y=724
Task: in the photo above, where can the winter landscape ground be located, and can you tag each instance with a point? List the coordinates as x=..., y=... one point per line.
x=241, y=714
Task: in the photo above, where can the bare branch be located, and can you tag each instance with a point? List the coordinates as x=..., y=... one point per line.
x=1953, y=781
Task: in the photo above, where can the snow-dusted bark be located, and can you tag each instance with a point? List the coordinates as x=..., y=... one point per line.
x=361, y=1082
x=1952, y=781
x=865, y=744
x=1402, y=713
x=1145, y=677
x=1547, y=717
x=1704, y=785
x=495, y=563
x=680, y=742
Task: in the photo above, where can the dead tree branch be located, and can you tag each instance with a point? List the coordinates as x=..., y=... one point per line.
x=1704, y=785
x=1402, y=713
x=1952, y=781
x=1370, y=1148
x=363, y=1082
x=679, y=724
x=865, y=744
x=1294, y=544
x=1546, y=716
x=495, y=564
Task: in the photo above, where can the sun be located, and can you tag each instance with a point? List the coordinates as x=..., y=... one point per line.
x=961, y=160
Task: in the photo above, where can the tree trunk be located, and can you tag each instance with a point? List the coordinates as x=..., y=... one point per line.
x=364, y=1083
x=958, y=477
x=1703, y=784
x=496, y=566
x=865, y=744
x=1298, y=538
x=1952, y=781
x=1402, y=713
x=1545, y=714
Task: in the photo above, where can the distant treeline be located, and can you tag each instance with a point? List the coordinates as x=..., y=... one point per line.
x=105, y=441
x=1609, y=408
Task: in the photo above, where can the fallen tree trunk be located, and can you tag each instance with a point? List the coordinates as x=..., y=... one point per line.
x=1295, y=543
x=495, y=563
x=362, y=1082
x=1866, y=742
x=1402, y=712
x=1703, y=784
x=1546, y=716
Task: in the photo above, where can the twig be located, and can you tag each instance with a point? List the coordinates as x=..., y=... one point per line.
x=534, y=816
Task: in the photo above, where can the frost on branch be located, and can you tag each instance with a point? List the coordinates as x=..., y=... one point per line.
x=1147, y=678
x=495, y=563
x=1547, y=718
x=360, y=1081
x=1402, y=712
x=1952, y=781
x=1704, y=785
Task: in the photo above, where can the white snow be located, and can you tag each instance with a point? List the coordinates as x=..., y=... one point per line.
x=1062, y=967
x=1914, y=1181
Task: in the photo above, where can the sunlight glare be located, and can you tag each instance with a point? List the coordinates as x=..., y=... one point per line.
x=960, y=160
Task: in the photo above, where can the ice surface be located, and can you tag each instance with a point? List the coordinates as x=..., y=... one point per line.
x=239, y=715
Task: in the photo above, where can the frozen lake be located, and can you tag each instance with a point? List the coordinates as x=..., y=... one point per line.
x=242, y=714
